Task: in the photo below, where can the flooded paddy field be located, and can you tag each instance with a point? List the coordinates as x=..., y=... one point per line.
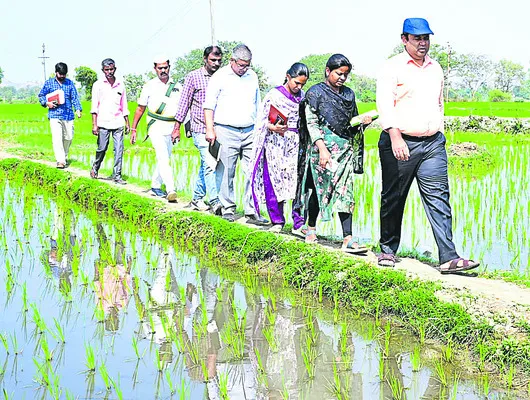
x=490, y=203
x=95, y=309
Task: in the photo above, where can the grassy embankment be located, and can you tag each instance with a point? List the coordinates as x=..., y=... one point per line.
x=347, y=281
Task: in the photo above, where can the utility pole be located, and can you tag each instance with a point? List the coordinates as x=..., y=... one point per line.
x=212, y=30
x=448, y=71
x=44, y=60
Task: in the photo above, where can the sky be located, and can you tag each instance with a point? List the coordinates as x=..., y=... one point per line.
x=279, y=32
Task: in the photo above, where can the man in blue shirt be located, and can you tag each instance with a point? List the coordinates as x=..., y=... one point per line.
x=59, y=96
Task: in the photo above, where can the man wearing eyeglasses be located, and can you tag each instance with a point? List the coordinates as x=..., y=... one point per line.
x=230, y=110
x=412, y=146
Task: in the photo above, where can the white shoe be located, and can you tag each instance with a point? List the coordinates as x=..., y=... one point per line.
x=302, y=231
x=199, y=205
x=171, y=197
x=277, y=228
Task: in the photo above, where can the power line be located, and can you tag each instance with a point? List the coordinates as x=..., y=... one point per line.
x=179, y=13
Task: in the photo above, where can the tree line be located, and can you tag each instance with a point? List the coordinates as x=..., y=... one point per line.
x=468, y=77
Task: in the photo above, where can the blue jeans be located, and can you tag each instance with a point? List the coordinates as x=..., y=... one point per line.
x=206, y=179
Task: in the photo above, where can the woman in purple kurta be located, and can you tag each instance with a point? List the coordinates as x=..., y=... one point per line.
x=275, y=157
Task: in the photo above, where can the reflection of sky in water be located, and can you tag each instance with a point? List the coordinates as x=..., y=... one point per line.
x=159, y=293
x=490, y=213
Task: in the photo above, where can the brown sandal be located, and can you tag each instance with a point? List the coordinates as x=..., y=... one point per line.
x=453, y=266
x=386, y=260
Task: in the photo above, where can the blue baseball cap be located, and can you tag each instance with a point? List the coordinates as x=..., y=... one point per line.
x=417, y=26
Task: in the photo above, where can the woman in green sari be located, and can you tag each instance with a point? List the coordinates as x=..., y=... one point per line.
x=334, y=152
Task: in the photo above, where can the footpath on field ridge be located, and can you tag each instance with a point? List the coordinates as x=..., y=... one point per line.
x=481, y=297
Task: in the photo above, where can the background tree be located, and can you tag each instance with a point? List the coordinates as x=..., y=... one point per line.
x=133, y=84
x=193, y=60
x=1, y=75
x=508, y=74
x=523, y=92
x=316, y=63
x=86, y=77
x=474, y=73
x=364, y=88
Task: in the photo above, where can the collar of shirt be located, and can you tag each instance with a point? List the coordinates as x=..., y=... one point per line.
x=409, y=60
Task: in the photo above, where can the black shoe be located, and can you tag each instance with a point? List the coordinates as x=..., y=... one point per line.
x=256, y=220
x=216, y=209
x=120, y=181
x=229, y=217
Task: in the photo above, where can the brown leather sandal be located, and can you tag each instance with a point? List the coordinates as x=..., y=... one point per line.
x=453, y=266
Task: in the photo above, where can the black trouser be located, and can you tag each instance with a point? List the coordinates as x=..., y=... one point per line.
x=428, y=164
x=313, y=208
x=103, y=144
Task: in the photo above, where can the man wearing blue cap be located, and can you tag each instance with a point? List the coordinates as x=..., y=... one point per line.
x=412, y=146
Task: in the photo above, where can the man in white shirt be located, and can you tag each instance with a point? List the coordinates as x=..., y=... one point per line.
x=161, y=97
x=230, y=110
x=109, y=112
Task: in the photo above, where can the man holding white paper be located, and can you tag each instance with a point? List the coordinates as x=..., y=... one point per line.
x=59, y=95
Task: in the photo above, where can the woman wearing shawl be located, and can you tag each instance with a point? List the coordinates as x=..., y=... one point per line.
x=275, y=157
x=334, y=152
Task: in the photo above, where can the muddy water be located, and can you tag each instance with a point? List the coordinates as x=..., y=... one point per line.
x=163, y=325
x=490, y=211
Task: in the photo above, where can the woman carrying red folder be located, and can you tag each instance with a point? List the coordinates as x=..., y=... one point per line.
x=275, y=156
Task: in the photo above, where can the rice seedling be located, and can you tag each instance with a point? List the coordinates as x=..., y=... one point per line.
x=183, y=390
x=309, y=356
x=170, y=383
x=43, y=373
x=396, y=387
x=485, y=385
x=381, y=366
x=439, y=369
x=388, y=334
x=117, y=387
x=45, y=349
x=105, y=376
x=447, y=352
x=336, y=388
x=24, y=298
x=456, y=382
x=509, y=375
x=268, y=333
x=90, y=359
x=59, y=332
x=40, y=325
x=14, y=344
x=223, y=386
x=3, y=339
x=415, y=359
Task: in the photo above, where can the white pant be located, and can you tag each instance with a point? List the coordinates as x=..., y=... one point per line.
x=62, y=135
x=163, y=172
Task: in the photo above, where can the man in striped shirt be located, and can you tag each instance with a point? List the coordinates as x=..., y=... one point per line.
x=192, y=97
x=59, y=95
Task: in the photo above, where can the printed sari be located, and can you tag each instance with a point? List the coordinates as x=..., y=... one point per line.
x=275, y=157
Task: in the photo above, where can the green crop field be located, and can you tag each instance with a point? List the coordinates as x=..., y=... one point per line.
x=486, y=109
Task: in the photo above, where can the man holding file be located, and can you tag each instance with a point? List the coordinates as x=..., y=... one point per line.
x=59, y=95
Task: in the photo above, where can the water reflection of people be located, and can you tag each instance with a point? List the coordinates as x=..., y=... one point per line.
x=62, y=242
x=161, y=306
x=112, y=279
